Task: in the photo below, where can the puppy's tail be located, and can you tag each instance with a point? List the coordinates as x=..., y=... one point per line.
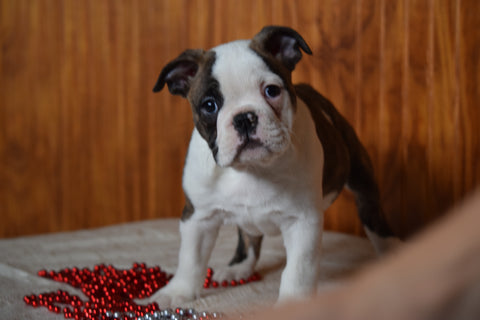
x=359, y=178
x=361, y=182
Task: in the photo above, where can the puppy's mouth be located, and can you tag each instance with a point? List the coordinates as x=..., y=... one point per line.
x=248, y=144
x=251, y=151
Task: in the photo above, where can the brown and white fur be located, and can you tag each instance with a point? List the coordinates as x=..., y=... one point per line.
x=265, y=155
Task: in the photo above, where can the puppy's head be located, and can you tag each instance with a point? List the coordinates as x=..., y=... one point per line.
x=241, y=94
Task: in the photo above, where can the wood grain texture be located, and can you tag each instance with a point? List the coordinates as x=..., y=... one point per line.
x=85, y=143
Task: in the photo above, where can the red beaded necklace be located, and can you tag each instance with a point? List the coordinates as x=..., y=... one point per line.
x=111, y=293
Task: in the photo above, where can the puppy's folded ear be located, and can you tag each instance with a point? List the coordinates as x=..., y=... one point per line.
x=179, y=73
x=281, y=43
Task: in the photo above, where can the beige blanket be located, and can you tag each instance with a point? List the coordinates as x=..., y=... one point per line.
x=156, y=243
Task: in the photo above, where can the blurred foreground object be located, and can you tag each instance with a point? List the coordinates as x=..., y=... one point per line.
x=435, y=276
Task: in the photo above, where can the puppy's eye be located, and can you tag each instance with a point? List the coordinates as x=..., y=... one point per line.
x=272, y=91
x=209, y=106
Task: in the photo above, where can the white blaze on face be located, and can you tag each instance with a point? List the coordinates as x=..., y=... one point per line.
x=243, y=78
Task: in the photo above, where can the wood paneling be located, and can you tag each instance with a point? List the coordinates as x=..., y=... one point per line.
x=85, y=143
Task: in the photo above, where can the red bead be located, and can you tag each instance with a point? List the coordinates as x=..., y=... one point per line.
x=109, y=290
x=209, y=272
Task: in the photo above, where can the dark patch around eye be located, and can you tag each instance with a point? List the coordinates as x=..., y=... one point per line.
x=206, y=87
x=210, y=104
x=277, y=68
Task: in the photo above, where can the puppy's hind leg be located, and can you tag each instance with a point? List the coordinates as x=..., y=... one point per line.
x=244, y=260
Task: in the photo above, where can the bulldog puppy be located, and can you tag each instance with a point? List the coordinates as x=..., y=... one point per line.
x=266, y=155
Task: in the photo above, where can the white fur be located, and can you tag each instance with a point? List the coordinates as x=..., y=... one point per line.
x=281, y=195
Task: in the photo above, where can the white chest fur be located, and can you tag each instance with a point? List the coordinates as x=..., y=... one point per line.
x=258, y=199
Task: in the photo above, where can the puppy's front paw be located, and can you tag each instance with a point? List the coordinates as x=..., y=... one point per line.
x=172, y=295
x=235, y=272
x=166, y=300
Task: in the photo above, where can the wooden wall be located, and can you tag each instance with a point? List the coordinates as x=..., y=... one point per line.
x=84, y=142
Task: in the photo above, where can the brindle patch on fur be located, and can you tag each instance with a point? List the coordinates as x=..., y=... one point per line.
x=205, y=85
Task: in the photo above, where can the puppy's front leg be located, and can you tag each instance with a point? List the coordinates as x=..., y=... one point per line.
x=302, y=239
x=197, y=241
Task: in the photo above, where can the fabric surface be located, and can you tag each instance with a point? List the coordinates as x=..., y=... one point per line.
x=156, y=243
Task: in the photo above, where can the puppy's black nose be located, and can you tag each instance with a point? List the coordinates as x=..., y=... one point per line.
x=245, y=123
